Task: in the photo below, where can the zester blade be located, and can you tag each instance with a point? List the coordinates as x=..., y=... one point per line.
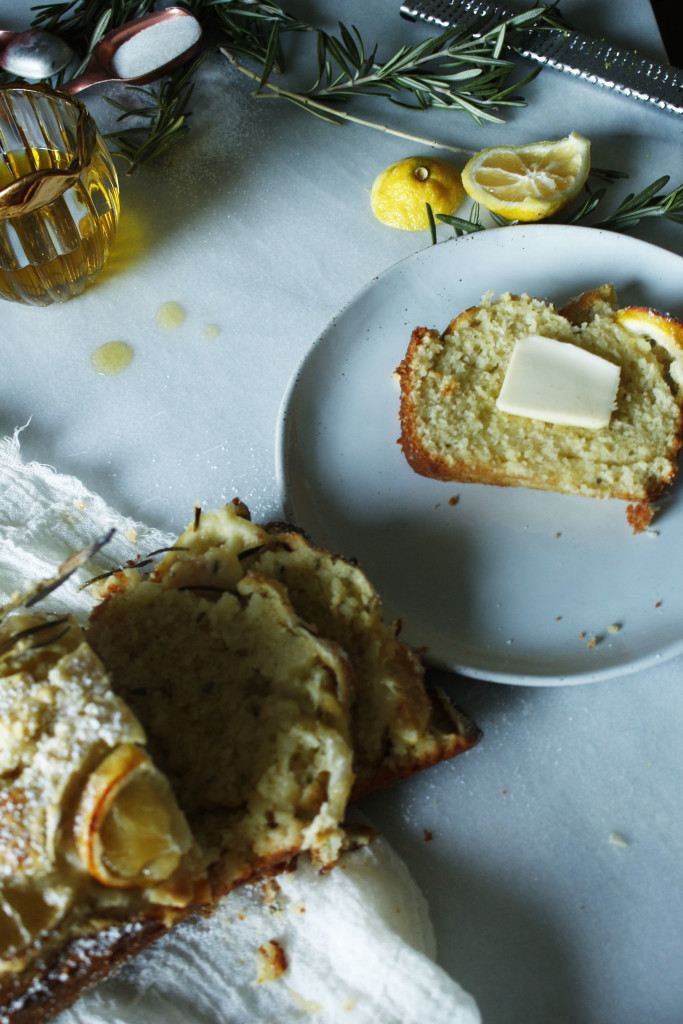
x=593, y=60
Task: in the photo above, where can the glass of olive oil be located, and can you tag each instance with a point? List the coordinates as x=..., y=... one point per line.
x=59, y=196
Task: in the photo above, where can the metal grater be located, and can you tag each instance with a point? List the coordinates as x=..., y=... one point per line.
x=590, y=59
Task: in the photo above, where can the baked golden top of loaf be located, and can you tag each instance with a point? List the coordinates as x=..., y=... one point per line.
x=270, y=659
x=83, y=881
x=452, y=429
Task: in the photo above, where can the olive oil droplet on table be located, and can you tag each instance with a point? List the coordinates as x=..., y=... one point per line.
x=112, y=357
x=170, y=315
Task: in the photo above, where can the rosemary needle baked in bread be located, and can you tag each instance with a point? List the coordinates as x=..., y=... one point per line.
x=452, y=428
x=269, y=658
x=96, y=858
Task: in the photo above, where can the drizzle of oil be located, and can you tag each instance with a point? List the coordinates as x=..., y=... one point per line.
x=212, y=331
x=112, y=357
x=170, y=315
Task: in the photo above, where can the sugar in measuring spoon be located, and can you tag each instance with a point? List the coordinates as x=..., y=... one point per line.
x=141, y=50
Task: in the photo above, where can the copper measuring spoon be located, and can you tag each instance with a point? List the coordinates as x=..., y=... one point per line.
x=102, y=64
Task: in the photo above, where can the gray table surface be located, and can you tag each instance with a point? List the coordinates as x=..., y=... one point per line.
x=259, y=222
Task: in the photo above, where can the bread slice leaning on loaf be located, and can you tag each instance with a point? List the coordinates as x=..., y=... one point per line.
x=270, y=688
x=452, y=429
x=398, y=725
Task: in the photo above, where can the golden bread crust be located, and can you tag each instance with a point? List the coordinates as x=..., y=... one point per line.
x=583, y=308
x=450, y=731
x=49, y=987
x=395, y=720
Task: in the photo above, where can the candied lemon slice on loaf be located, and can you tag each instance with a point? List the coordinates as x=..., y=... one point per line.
x=129, y=828
x=96, y=859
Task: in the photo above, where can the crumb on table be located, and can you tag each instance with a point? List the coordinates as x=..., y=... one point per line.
x=272, y=962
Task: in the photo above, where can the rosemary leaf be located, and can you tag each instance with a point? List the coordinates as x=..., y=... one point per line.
x=432, y=223
x=271, y=54
x=590, y=203
x=460, y=225
x=606, y=175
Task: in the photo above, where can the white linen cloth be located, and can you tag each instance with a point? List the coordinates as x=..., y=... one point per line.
x=357, y=941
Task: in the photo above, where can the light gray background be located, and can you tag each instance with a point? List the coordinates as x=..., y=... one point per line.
x=260, y=222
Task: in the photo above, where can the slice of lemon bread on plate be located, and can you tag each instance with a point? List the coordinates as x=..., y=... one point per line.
x=96, y=857
x=452, y=427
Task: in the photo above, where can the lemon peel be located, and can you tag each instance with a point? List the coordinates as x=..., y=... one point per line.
x=130, y=831
x=400, y=192
x=530, y=182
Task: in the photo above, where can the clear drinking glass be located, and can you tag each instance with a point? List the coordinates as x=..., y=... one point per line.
x=59, y=196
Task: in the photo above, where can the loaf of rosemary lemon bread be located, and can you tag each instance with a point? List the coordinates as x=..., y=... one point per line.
x=212, y=724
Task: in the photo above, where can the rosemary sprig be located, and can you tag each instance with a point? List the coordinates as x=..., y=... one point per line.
x=160, y=123
x=462, y=69
x=43, y=588
x=646, y=203
x=649, y=202
x=247, y=26
x=342, y=116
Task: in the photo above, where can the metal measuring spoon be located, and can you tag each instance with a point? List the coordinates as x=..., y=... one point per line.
x=123, y=55
x=33, y=54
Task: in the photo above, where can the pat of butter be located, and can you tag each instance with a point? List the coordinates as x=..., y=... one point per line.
x=557, y=382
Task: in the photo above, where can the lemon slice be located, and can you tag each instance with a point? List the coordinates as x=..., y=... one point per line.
x=400, y=192
x=129, y=830
x=531, y=182
x=663, y=328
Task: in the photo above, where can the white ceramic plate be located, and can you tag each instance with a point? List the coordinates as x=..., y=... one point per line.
x=507, y=584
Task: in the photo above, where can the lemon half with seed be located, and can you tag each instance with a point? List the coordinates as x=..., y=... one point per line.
x=400, y=192
x=528, y=183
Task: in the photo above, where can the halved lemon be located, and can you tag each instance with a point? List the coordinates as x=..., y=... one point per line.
x=400, y=193
x=129, y=831
x=528, y=183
